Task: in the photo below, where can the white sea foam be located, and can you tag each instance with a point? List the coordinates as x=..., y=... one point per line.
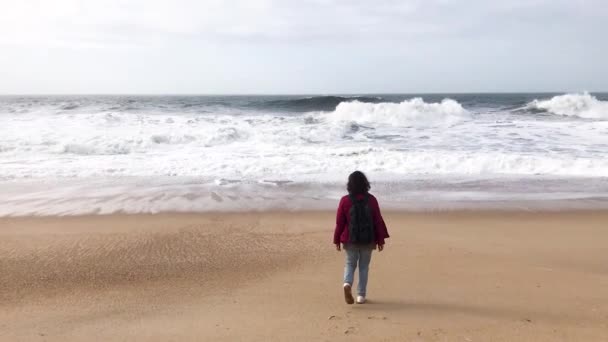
x=414, y=112
x=385, y=139
x=581, y=105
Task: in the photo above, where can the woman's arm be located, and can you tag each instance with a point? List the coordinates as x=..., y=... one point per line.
x=340, y=222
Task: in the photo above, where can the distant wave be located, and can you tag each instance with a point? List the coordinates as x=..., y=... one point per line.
x=203, y=105
x=414, y=112
x=581, y=105
x=315, y=103
x=69, y=106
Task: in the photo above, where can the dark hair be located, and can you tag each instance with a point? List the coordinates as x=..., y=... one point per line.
x=357, y=183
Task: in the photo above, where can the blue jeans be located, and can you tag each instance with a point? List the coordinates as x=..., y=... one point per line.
x=361, y=255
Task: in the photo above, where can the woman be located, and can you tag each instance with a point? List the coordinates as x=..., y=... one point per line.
x=360, y=228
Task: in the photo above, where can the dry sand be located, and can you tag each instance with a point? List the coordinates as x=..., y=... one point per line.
x=466, y=276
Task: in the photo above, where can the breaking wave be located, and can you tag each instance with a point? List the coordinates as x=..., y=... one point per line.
x=414, y=112
x=580, y=105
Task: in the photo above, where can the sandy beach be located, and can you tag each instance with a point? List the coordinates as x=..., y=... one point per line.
x=275, y=276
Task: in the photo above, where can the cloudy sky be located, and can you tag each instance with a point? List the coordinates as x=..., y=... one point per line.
x=303, y=46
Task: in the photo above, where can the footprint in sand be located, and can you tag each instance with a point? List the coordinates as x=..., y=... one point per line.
x=350, y=330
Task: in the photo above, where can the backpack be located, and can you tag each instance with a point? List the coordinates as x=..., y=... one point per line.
x=361, y=224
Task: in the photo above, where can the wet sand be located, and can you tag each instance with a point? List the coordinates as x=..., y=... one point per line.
x=275, y=276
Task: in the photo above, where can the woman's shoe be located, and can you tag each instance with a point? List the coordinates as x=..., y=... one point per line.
x=348, y=294
x=360, y=299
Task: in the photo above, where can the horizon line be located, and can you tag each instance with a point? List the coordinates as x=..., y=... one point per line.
x=305, y=94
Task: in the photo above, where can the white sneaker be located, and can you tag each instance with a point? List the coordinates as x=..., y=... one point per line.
x=360, y=299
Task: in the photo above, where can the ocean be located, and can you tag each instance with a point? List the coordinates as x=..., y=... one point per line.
x=67, y=155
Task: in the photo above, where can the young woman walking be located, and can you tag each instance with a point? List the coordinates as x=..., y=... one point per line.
x=359, y=230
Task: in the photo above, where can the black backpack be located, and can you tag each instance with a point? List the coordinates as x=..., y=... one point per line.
x=361, y=225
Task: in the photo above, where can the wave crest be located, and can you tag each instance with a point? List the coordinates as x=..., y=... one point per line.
x=581, y=105
x=316, y=103
x=412, y=112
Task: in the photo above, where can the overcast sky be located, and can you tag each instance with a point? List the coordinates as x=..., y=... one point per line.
x=303, y=46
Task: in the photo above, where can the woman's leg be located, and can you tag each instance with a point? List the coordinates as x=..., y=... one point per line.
x=365, y=256
x=352, y=256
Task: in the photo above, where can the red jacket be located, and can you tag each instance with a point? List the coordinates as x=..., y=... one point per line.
x=342, y=220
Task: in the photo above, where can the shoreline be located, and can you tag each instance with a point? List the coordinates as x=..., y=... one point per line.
x=141, y=195
x=464, y=210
